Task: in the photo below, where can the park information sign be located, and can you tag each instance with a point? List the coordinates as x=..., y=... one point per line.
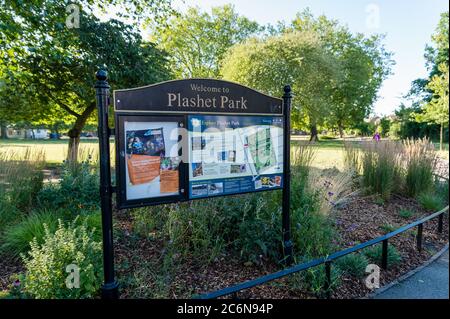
x=188, y=139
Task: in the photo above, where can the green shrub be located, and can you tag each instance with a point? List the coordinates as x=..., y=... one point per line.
x=353, y=265
x=314, y=280
x=9, y=215
x=193, y=231
x=379, y=201
x=93, y=221
x=17, y=238
x=431, y=202
x=4, y=294
x=374, y=254
x=312, y=231
x=77, y=190
x=420, y=161
x=249, y=225
x=406, y=213
x=46, y=264
x=259, y=232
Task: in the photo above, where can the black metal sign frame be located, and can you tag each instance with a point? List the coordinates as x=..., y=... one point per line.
x=173, y=101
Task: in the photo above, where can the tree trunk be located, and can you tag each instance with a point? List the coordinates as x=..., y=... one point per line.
x=314, y=134
x=75, y=132
x=341, y=130
x=4, y=131
x=441, y=137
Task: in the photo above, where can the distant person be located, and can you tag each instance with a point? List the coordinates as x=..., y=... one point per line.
x=377, y=136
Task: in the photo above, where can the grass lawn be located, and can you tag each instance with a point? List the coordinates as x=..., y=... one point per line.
x=329, y=153
x=55, y=150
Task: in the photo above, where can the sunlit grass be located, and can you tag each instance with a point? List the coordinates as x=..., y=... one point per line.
x=55, y=151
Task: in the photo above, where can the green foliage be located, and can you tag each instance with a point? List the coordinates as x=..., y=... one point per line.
x=200, y=230
x=314, y=280
x=384, y=127
x=49, y=71
x=312, y=231
x=388, y=228
x=46, y=264
x=77, y=190
x=197, y=41
x=297, y=58
x=363, y=64
x=365, y=128
x=353, y=265
x=9, y=214
x=15, y=290
x=430, y=95
x=406, y=213
x=442, y=190
x=257, y=235
x=374, y=254
x=379, y=200
x=16, y=239
x=431, y=202
x=20, y=178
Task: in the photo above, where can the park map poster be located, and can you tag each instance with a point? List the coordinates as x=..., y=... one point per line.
x=151, y=172
x=234, y=154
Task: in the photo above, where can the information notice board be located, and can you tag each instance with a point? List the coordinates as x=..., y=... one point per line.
x=234, y=154
x=191, y=139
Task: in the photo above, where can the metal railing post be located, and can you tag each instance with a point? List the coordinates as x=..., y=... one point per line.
x=440, y=223
x=384, y=255
x=419, y=237
x=328, y=279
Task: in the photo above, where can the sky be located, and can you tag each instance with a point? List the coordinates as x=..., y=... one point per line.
x=407, y=24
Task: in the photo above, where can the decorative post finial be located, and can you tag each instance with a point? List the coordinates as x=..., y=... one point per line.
x=101, y=75
x=287, y=91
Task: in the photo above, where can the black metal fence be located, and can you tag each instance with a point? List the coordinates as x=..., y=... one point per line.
x=233, y=290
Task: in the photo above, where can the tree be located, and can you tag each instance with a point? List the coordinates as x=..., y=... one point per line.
x=435, y=55
x=197, y=41
x=54, y=64
x=436, y=111
x=363, y=63
x=295, y=58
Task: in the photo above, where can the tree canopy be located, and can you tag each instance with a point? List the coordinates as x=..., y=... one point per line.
x=335, y=74
x=51, y=67
x=197, y=41
x=295, y=58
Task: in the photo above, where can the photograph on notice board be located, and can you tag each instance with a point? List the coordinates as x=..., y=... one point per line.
x=151, y=170
x=144, y=151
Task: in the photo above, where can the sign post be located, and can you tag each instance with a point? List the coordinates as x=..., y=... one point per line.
x=190, y=139
x=287, y=243
x=110, y=287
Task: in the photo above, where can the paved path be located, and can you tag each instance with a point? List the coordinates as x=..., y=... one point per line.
x=431, y=282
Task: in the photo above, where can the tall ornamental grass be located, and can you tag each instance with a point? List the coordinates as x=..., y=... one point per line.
x=380, y=164
x=388, y=167
x=419, y=160
x=20, y=181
